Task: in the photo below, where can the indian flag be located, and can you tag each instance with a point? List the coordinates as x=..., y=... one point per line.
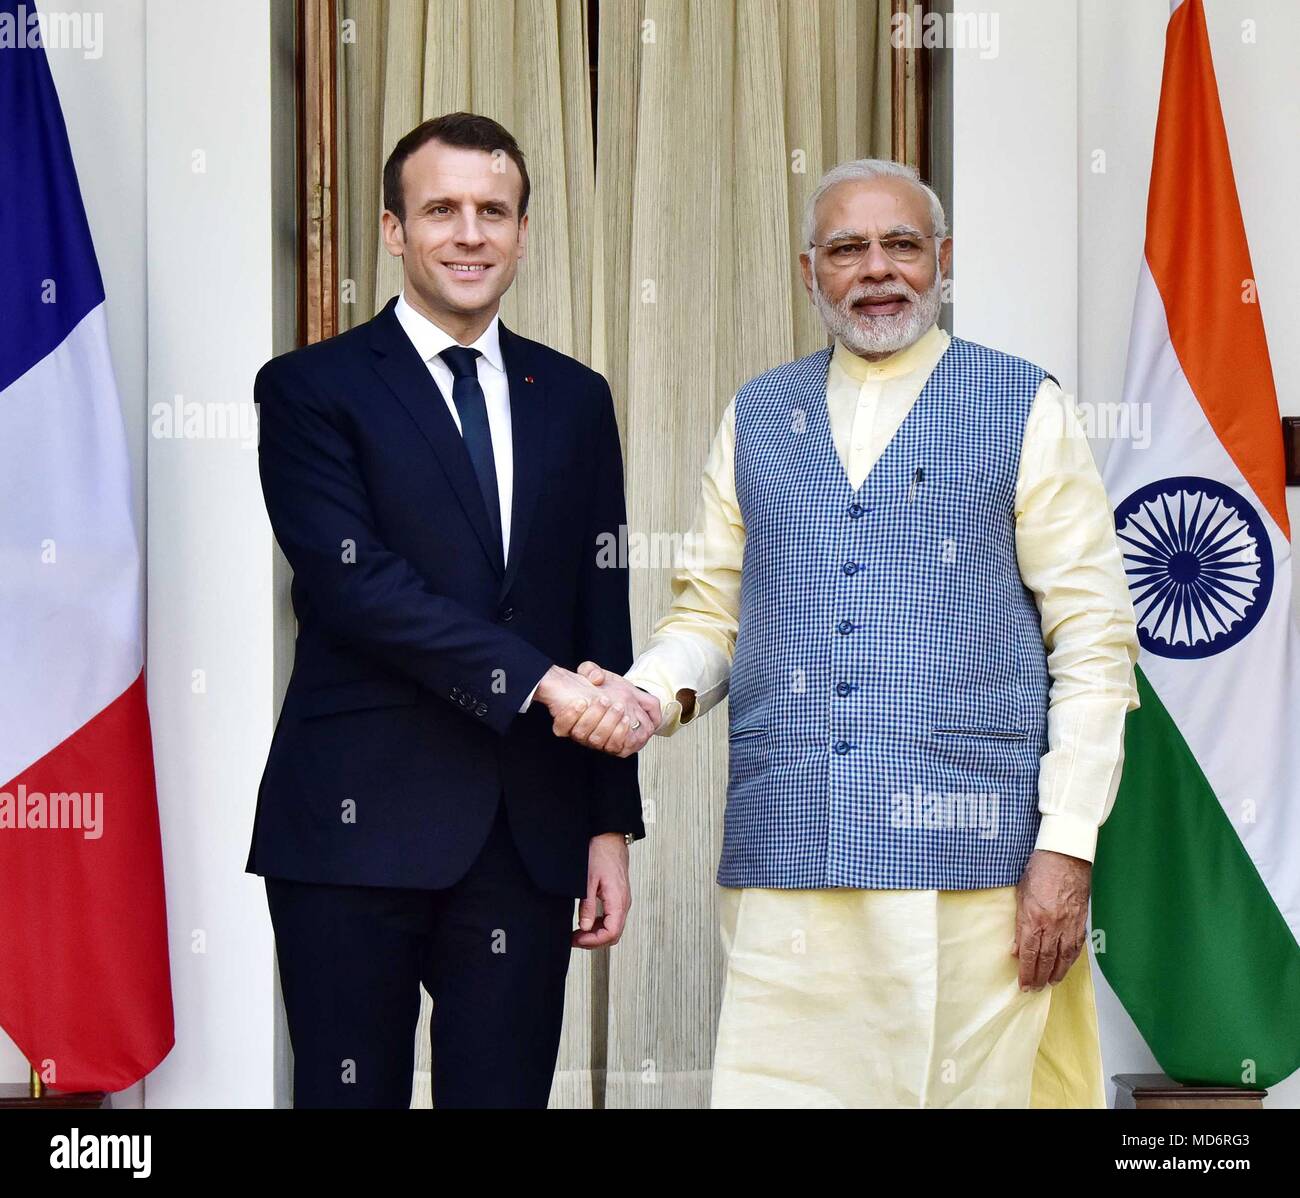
x=1196, y=908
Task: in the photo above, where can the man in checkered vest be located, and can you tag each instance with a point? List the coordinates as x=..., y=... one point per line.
x=906, y=577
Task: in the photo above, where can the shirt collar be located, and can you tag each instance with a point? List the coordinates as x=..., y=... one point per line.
x=919, y=357
x=430, y=340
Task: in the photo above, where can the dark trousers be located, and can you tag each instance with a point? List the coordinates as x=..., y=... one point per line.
x=492, y=950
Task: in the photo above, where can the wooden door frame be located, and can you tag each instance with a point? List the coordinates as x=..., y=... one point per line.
x=898, y=88
x=318, y=223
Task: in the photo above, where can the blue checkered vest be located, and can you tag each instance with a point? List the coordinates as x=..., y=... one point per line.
x=889, y=689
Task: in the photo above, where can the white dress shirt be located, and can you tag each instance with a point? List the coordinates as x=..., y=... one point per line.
x=429, y=341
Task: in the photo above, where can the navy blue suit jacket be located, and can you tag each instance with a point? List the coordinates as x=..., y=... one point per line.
x=401, y=729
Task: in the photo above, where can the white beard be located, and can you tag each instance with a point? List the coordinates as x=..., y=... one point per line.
x=865, y=334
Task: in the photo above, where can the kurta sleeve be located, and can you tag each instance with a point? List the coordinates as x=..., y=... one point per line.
x=686, y=664
x=1070, y=559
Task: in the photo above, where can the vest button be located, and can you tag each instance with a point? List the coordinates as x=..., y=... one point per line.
x=506, y=614
x=856, y=511
x=842, y=688
x=844, y=627
x=842, y=747
x=850, y=567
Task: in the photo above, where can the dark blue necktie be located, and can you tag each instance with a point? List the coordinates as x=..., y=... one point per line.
x=472, y=408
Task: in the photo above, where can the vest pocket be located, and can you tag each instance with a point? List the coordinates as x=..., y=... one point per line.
x=986, y=733
x=748, y=757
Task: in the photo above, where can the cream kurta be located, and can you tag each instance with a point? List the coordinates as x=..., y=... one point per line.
x=861, y=1006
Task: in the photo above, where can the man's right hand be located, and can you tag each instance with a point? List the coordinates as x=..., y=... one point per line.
x=600, y=717
x=642, y=707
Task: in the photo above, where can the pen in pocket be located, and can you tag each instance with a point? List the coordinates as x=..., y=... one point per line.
x=918, y=477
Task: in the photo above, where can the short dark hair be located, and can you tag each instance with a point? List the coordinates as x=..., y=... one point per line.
x=465, y=131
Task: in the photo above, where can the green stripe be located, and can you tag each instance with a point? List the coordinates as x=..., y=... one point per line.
x=1195, y=947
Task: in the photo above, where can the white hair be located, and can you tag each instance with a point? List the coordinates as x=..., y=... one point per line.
x=872, y=168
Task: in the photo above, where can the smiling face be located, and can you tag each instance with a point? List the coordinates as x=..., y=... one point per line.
x=876, y=306
x=462, y=239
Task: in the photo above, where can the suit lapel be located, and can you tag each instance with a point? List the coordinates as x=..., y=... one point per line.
x=399, y=365
x=528, y=436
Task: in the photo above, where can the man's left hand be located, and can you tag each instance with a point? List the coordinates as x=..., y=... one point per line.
x=1051, y=917
x=608, y=885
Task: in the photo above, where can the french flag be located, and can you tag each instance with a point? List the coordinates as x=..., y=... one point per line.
x=85, y=986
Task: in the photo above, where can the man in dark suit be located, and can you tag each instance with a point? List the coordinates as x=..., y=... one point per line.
x=438, y=484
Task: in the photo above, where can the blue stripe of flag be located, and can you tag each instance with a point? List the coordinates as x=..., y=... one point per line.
x=43, y=230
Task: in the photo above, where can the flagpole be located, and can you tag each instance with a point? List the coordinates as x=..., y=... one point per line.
x=36, y=1086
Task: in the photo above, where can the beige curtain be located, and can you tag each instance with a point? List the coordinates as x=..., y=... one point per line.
x=672, y=269
x=716, y=119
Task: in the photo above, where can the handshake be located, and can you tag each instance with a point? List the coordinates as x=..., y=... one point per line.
x=599, y=709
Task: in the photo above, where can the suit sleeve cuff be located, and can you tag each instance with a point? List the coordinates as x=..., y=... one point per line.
x=507, y=707
x=619, y=812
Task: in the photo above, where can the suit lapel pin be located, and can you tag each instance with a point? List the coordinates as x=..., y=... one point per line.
x=528, y=378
